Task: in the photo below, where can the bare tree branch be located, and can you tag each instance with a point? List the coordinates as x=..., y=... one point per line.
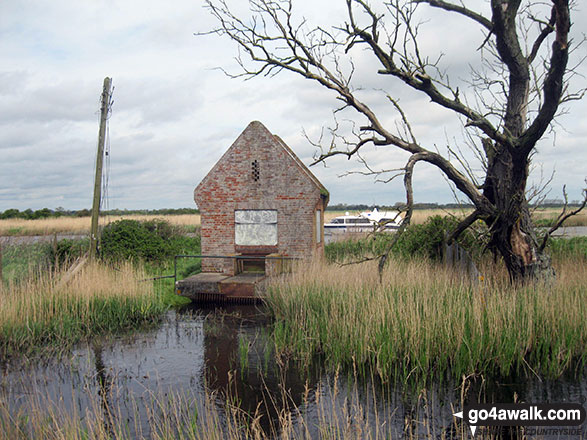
x=506, y=107
x=553, y=83
x=463, y=225
x=563, y=216
x=417, y=78
x=459, y=9
x=546, y=30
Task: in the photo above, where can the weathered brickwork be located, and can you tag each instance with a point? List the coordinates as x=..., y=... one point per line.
x=259, y=172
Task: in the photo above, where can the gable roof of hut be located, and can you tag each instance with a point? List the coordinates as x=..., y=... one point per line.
x=277, y=142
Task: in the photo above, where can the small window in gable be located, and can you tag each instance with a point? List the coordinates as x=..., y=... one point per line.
x=255, y=170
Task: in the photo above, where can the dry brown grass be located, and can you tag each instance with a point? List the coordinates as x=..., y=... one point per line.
x=81, y=225
x=26, y=301
x=61, y=307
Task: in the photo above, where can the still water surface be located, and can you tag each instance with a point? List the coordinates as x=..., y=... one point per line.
x=198, y=352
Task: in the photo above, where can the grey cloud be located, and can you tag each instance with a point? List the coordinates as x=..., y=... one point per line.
x=158, y=101
x=54, y=101
x=173, y=117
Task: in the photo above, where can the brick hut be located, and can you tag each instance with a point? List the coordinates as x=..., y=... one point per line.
x=259, y=200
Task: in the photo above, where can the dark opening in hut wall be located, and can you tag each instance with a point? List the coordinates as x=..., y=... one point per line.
x=255, y=170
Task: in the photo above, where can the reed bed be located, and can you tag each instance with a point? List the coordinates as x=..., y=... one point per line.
x=49, y=311
x=81, y=225
x=425, y=321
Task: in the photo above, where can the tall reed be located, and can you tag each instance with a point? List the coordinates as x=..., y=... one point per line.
x=45, y=311
x=425, y=321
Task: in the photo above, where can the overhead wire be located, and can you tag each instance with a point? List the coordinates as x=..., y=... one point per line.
x=105, y=195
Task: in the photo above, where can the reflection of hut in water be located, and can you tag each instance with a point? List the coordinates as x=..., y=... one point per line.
x=240, y=364
x=259, y=205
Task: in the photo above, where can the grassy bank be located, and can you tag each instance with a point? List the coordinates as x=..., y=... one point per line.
x=425, y=321
x=45, y=313
x=41, y=312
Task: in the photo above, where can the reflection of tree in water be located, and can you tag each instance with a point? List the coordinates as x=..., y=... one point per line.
x=239, y=362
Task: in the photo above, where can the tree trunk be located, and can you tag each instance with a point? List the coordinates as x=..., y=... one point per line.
x=511, y=231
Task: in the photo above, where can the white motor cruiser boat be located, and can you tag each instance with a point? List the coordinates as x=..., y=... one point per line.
x=365, y=222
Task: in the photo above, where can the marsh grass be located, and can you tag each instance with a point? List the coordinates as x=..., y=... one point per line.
x=42, y=313
x=423, y=321
x=568, y=250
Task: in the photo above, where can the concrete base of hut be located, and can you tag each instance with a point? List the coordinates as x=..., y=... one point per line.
x=216, y=287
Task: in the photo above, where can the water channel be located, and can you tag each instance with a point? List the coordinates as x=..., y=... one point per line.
x=206, y=354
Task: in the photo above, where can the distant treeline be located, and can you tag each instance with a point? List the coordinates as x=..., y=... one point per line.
x=29, y=214
x=345, y=207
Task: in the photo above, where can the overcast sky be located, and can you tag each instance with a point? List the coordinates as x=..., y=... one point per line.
x=174, y=114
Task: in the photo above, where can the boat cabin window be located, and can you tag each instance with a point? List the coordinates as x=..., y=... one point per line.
x=337, y=220
x=358, y=221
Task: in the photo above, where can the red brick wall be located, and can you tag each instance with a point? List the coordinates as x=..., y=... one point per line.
x=282, y=186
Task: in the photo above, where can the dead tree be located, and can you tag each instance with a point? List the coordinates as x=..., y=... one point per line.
x=520, y=91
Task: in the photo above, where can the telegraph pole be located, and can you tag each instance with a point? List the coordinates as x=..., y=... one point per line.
x=99, y=160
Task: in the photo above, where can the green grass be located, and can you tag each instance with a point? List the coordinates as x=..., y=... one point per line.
x=18, y=261
x=40, y=314
x=569, y=248
x=27, y=271
x=186, y=267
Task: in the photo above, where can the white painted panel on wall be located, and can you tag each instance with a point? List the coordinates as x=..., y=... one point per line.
x=255, y=216
x=255, y=227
